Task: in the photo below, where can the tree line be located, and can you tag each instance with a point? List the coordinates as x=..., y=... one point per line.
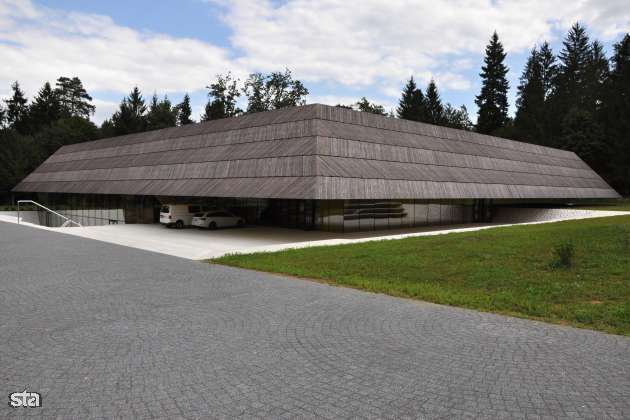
x=576, y=100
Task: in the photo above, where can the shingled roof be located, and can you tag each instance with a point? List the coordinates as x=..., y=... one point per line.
x=316, y=152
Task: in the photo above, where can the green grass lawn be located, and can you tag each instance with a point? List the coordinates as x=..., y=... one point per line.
x=506, y=270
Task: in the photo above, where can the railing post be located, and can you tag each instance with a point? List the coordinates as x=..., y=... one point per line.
x=18, y=212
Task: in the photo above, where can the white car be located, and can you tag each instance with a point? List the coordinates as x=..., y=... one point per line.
x=216, y=219
x=178, y=215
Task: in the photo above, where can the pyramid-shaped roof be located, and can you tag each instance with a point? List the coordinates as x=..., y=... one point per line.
x=316, y=152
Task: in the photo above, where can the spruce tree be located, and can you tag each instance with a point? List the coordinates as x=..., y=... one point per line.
x=161, y=114
x=457, y=118
x=615, y=112
x=530, y=102
x=17, y=109
x=184, y=111
x=46, y=107
x=434, y=107
x=575, y=58
x=74, y=99
x=130, y=117
x=412, y=104
x=597, y=73
x=492, y=100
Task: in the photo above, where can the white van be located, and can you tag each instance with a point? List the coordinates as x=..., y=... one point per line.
x=179, y=215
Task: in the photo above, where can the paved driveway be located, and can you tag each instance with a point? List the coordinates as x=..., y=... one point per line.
x=107, y=331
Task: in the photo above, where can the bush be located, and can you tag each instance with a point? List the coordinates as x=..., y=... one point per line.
x=563, y=255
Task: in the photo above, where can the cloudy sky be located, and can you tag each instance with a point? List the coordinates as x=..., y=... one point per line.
x=340, y=49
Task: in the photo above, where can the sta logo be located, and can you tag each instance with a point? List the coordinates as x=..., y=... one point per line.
x=25, y=399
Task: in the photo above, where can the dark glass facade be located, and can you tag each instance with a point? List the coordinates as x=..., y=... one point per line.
x=327, y=215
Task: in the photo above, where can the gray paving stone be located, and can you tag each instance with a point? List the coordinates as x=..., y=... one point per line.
x=105, y=331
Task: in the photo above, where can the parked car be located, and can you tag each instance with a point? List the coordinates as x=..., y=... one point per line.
x=216, y=219
x=179, y=215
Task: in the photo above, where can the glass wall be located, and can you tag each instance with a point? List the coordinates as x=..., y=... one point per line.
x=365, y=215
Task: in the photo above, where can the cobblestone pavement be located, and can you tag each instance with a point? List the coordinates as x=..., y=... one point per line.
x=105, y=331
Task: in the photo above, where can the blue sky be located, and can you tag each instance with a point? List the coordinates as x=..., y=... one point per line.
x=340, y=50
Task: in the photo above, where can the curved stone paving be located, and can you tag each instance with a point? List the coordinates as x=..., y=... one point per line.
x=107, y=331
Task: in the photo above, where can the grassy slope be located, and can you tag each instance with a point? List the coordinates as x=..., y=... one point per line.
x=504, y=270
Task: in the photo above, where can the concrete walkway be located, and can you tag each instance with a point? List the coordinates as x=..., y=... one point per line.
x=203, y=244
x=104, y=331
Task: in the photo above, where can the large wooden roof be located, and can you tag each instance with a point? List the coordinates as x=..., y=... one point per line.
x=316, y=152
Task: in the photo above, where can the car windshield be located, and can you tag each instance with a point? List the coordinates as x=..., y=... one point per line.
x=165, y=209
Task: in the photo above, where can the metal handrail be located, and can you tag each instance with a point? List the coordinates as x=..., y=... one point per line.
x=67, y=220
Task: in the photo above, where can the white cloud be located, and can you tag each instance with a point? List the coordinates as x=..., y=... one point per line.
x=370, y=46
x=379, y=43
x=106, y=56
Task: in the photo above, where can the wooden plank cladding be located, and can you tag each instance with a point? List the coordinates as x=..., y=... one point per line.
x=316, y=152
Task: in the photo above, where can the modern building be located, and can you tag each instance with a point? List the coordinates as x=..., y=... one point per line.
x=312, y=166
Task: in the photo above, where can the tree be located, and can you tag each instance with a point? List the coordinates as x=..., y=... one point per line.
x=184, y=111
x=46, y=108
x=364, y=105
x=274, y=91
x=597, y=72
x=65, y=131
x=614, y=116
x=433, y=103
x=130, y=117
x=2, y=116
x=283, y=91
x=457, y=118
x=17, y=109
x=412, y=103
x=575, y=58
x=74, y=99
x=583, y=135
x=161, y=114
x=530, y=102
x=223, y=95
x=492, y=100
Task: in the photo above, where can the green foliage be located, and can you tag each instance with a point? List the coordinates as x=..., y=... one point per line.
x=161, y=114
x=492, y=100
x=412, y=104
x=563, y=255
x=434, y=107
x=73, y=98
x=223, y=94
x=364, y=105
x=17, y=110
x=273, y=91
x=457, y=118
x=65, y=131
x=503, y=270
x=130, y=117
x=184, y=111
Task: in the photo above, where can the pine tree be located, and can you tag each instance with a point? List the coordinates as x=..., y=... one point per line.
x=46, y=107
x=161, y=114
x=530, y=102
x=434, y=107
x=130, y=117
x=597, y=73
x=17, y=109
x=74, y=99
x=184, y=111
x=492, y=100
x=575, y=58
x=615, y=112
x=223, y=95
x=412, y=104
